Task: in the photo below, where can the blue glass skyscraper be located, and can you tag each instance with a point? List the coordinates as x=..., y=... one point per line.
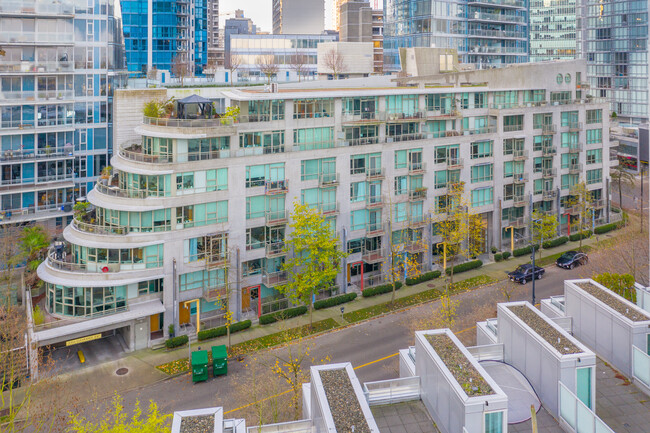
x=62, y=62
x=160, y=32
x=485, y=32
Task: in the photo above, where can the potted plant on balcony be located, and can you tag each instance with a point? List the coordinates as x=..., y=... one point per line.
x=106, y=172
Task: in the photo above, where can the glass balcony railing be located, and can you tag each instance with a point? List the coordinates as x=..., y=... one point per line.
x=31, y=66
x=32, y=7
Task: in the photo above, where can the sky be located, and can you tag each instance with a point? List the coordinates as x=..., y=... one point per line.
x=260, y=12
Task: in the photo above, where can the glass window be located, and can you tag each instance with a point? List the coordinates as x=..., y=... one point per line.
x=482, y=196
x=493, y=422
x=482, y=149
x=481, y=173
x=594, y=116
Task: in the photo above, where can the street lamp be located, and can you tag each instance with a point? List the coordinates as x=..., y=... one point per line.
x=532, y=249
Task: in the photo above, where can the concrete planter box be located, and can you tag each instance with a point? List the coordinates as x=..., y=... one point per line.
x=445, y=399
x=217, y=412
x=321, y=415
x=606, y=330
x=539, y=359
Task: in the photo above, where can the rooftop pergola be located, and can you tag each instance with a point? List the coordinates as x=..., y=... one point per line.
x=203, y=107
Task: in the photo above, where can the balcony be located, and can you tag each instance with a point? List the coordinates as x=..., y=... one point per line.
x=520, y=155
x=275, y=249
x=36, y=7
x=417, y=194
x=516, y=223
x=374, y=201
x=549, y=150
x=375, y=173
x=549, y=129
x=31, y=67
x=372, y=256
x=272, y=279
x=519, y=4
x=443, y=114
x=513, y=128
x=329, y=209
x=598, y=204
x=361, y=117
x=575, y=148
x=224, y=124
x=520, y=178
x=548, y=173
x=276, y=218
x=273, y=187
x=405, y=117
x=215, y=293
x=496, y=17
x=326, y=180
x=415, y=246
x=549, y=195
x=498, y=34
x=519, y=201
x=454, y=163
x=416, y=168
x=216, y=259
x=479, y=131
x=374, y=229
x=575, y=126
x=575, y=168
x=416, y=221
x=97, y=229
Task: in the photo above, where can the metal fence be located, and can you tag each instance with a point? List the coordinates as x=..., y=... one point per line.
x=392, y=390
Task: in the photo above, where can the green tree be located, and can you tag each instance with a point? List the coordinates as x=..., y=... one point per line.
x=622, y=284
x=461, y=232
x=544, y=228
x=316, y=257
x=581, y=202
x=621, y=176
x=33, y=244
x=116, y=420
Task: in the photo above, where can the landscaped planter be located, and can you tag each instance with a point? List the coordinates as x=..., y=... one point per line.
x=454, y=387
x=208, y=420
x=606, y=322
x=546, y=354
x=338, y=403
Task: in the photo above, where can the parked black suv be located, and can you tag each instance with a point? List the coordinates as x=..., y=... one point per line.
x=571, y=259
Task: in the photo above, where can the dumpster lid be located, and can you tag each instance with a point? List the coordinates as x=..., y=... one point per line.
x=219, y=352
x=200, y=357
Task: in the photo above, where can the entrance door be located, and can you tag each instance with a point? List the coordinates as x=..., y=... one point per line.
x=154, y=322
x=246, y=299
x=183, y=314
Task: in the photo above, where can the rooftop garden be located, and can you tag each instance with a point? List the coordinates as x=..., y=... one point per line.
x=344, y=405
x=612, y=300
x=197, y=424
x=467, y=376
x=545, y=330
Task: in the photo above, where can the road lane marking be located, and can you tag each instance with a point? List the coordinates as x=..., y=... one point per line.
x=375, y=361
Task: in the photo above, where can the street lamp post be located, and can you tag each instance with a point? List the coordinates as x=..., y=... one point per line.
x=532, y=249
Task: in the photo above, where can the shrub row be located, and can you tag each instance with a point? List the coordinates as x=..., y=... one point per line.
x=523, y=251
x=221, y=330
x=555, y=242
x=334, y=300
x=176, y=341
x=498, y=257
x=576, y=236
x=505, y=255
x=422, y=278
x=266, y=319
x=606, y=228
x=463, y=267
x=384, y=288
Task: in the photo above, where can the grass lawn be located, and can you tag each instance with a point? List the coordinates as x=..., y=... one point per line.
x=182, y=365
x=417, y=298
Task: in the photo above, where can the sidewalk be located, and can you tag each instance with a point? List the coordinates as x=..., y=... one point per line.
x=141, y=364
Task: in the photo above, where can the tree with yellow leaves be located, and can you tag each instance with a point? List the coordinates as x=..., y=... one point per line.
x=316, y=257
x=581, y=203
x=543, y=227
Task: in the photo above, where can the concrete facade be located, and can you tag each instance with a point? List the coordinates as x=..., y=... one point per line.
x=356, y=59
x=373, y=157
x=298, y=17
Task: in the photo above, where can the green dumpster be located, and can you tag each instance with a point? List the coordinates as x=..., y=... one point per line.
x=199, y=365
x=219, y=360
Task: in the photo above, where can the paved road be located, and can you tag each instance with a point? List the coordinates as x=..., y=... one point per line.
x=630, y=192
x=360, y=344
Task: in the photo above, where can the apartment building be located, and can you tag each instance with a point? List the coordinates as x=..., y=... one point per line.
x=553, y=28
x=360, y=23
x=198, y=207
x=62, y=62
x=486, y=33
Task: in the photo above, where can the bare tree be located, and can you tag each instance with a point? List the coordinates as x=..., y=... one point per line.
x=9, y=255
x=180, y=66
x=234, y=62
x=299, y=64
x=152, y=73
x=267, y=66
x=334, y=62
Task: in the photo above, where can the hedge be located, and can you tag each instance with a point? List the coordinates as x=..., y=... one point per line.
x=606, y=228
x=523, y=251
x=266, y=319
x=576, y=236
x=221, y=330
x=422, y=278
x=498, y=257
x=176, y=341
x=384, y=288
x=555, y=242
x=505, y=255
x=463, y=267
x=335, y=300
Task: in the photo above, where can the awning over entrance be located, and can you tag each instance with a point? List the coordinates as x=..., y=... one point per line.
x=100, y=324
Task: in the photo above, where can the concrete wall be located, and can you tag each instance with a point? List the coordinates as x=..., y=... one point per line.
x=127, y=107
x=356, y=22
x=484, y=335
x=607, y=332
x=406, y=364
x=357, y=57
x=447, y=403
x=540, y=362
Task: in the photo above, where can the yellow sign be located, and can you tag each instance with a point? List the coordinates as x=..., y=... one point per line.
x=83, y=339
